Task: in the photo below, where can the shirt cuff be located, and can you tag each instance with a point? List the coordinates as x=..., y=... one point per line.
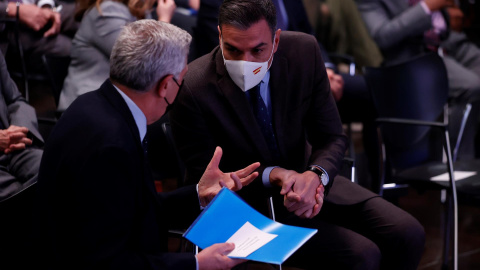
x=324, y=171
x=201, y=207
x=425, y=7
x=42, y=3
x=196, y=263
x=266, y=176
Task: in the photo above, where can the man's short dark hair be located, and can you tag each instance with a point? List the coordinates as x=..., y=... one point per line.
x=243, y=13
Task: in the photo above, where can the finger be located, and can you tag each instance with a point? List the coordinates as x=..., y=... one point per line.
x=237, y=184
x=50, y=32
x=247, y=180
x=17, y=146
x=225, y=248
x=304, y=208
x=292, y=202
x=14, y=128
x=316, y=210
x=16, y=136
x=318, y=206
x=217, y=156
x=305, y=214
x=287, y=186
x=293, y=197
x=26, y=141
x=247, y=170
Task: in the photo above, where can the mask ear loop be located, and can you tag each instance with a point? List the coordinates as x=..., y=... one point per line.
x=271, y=54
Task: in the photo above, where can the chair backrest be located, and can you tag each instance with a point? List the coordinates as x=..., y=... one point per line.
x=57, y=69
x=415, y=90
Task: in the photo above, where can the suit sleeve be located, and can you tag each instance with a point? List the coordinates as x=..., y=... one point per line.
x=388, y=31
x=20, y=113
x=323, y=124
x=109, y=218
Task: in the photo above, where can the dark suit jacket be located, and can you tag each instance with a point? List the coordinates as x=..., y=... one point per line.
x=212, y=111
x=98, y=208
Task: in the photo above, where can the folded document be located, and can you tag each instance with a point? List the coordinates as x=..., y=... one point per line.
x=229, y=219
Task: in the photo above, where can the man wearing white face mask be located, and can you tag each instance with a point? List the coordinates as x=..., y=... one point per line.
x=272, y=117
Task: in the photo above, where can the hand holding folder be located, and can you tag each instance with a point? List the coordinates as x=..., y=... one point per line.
x=229, y=219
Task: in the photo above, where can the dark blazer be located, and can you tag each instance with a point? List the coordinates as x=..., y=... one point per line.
x=212, y=111
x=98, y=208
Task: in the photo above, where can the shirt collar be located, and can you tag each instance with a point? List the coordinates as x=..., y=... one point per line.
x=266, y=78
x=138, y=115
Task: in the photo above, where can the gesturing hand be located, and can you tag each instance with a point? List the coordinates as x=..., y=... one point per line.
x=165, y=10
x=213, y=179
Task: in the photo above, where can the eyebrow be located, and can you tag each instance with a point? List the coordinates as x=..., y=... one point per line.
x=256, y=47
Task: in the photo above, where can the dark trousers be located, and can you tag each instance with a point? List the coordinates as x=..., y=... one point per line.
x=374, y=234
x=34, y=44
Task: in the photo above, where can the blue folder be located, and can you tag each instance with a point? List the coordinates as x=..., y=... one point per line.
x=227, y=212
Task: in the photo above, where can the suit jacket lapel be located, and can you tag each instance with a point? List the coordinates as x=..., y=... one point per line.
x=111, y=94
x=278, y=83
x=240, y=104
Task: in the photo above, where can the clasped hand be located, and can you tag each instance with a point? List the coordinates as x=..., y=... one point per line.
x=303, y=194
x=37, y=18
x=213, y=179
x=14, y=138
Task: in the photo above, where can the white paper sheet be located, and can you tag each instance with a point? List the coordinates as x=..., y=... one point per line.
x=458, y=175
x=248, y=239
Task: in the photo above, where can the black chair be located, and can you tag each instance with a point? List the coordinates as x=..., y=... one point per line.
x=411, y=100
x=57, y=69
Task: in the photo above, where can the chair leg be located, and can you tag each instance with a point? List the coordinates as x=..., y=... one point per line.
x=447, y=230
x=453, y=200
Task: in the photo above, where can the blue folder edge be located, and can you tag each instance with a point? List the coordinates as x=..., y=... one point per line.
x=227, y=212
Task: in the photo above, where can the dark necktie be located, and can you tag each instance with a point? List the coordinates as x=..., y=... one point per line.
x=145, y=145
x=263, y=118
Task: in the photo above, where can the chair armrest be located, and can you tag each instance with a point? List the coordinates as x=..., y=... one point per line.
x=344, y=58
x=410, y=122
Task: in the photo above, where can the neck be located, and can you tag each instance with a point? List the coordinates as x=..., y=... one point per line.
x=145, y=100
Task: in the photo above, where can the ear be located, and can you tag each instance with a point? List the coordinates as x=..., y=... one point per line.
x=277, y=39
x=162, y=86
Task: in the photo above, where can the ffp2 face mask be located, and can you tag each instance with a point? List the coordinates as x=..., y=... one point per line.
x=246, y=74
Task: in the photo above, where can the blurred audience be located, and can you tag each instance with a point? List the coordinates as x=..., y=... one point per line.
x=101, y=23
x=20, y=154
x=338, y=25
x=408, y=28
x=46, y=27
x=19, y=139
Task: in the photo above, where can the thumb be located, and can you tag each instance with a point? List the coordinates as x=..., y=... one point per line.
x=217, y=156
x=225, y=248
x=286, y=187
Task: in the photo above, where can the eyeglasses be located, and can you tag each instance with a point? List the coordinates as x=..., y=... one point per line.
x=179, y=85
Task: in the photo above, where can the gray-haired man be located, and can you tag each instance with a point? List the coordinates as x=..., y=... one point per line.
x=98, y=206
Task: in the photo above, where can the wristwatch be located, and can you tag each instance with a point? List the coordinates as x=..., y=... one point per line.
x=322, y=175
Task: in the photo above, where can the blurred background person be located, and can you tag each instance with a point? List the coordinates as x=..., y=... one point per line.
x=101, y=23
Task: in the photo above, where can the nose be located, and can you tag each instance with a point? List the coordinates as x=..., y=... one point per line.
x=247, y=57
